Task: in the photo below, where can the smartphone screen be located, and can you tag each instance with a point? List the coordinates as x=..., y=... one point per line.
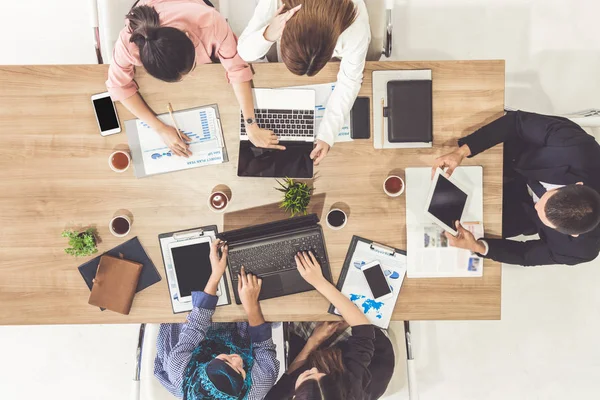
x=376, y=280
x=192, y=267
x=105, y=112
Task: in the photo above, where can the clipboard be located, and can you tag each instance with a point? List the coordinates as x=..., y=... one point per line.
x=146, y=163
x=164, y=239
x=360, y=252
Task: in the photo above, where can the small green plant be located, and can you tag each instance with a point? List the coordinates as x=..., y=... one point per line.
x=82, y=243
x=296, y=196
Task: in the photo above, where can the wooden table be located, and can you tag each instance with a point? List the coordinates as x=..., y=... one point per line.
x=55, y=175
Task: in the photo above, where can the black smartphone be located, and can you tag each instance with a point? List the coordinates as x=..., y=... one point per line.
x=360, y=118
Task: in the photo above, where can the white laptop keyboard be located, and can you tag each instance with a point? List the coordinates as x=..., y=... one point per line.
x=288, y=125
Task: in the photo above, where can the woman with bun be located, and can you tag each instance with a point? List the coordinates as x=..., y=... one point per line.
x=169, y=38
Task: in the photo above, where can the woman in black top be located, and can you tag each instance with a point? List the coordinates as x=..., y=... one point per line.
x=359, y=368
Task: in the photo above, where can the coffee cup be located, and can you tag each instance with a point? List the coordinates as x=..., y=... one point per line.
x=336, y=219
x=120, y=225
x=119, y=161
x=218, y=201
x=393, y=186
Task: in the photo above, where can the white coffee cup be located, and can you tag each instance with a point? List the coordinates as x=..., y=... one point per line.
x=336, y=227
x=119, y=152
x=390, y=193
x=119, y=232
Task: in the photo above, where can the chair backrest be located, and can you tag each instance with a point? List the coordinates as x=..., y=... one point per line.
x=377, y=20
x=111, y=19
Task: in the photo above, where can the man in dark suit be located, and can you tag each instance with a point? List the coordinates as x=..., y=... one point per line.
x=551, y=185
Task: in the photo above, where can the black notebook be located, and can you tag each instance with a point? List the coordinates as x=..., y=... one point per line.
x=409, y=111
x=131, y=250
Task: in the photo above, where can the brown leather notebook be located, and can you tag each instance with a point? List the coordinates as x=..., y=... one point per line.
x=115, y=283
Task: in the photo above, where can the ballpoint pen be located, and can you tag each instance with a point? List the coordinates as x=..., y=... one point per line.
x=173, y=119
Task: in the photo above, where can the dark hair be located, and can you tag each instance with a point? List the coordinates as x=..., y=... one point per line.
x=166, y=53
x=332, y=386
x=574, y=209
x=309, y=38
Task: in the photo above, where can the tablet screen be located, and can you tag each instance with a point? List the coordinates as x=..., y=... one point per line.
x=192, y=267
x=448, y=202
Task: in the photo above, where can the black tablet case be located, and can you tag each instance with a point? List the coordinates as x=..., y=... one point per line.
x=409, y=111
x=348, y=260
x=204, y=228
x=131, y=250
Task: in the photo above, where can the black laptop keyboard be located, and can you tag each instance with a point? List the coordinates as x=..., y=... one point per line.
x=276, y=256
x=287, y=124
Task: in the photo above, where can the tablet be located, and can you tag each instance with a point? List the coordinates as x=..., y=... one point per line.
x=191, y=263
x=446, y=202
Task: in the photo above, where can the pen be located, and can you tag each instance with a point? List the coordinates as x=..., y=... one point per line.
x=173, y=119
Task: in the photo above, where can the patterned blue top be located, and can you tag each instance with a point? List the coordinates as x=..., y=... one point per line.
x=176, y=342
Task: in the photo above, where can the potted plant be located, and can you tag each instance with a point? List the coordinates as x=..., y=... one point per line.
x=296, y=196
x=81, y=243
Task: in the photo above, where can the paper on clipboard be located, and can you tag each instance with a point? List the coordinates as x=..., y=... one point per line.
x=355, y=286
x=151, y=156
x=172, y=279
x=322, y=94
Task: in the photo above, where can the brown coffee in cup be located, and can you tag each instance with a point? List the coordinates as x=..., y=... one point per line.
x=120, y=225
x=119, y=161
x=218, y=201
x=393, y=186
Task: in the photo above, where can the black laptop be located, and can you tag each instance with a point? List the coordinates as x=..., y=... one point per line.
x=290, y=114
x=268, y=251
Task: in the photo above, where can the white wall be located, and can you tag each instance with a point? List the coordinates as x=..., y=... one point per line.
x=545, y=347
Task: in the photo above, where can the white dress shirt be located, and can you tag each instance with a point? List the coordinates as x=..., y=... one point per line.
x=351, y=48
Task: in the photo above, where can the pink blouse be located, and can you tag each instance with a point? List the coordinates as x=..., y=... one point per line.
x=207, y=29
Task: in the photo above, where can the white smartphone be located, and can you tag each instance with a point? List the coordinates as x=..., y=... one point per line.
x=378, y=284
x=191, y=264
x=106, y=114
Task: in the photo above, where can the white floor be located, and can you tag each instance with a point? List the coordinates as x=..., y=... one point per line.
x=545, y=347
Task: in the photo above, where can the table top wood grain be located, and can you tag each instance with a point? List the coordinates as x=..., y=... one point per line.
x=55, y=175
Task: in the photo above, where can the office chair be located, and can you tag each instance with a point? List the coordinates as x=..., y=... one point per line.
x=145, y=385
x=107, y=18
x=380, y=19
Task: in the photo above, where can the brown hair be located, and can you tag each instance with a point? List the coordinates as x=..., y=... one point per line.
x=332, y=386
x=309, y=38
x=166, y=53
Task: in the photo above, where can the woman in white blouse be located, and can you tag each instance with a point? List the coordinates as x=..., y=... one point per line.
x=309, y=33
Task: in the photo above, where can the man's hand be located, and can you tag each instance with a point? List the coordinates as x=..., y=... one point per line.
x=465, y=240
x=451, y=160
x=324, y=330
x=277, y=24
x=263, y=138
x=319, y=152
x=178, y=146
x=218, y=262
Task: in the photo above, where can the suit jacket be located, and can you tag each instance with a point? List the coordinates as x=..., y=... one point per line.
x=546, y=149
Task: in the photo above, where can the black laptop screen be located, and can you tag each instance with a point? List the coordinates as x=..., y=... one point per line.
x=293, y=162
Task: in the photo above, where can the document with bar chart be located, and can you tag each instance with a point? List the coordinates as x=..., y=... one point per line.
x=151, y=156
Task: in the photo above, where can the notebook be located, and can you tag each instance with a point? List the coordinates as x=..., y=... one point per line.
x=131, y=250
x=409, y=111
x=353, y=284
x=115, y=283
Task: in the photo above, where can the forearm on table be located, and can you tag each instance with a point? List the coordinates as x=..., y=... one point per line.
x=212, y=285
x=140, y=109
x=243, y=93
x=255, y=315
x=351, y=314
